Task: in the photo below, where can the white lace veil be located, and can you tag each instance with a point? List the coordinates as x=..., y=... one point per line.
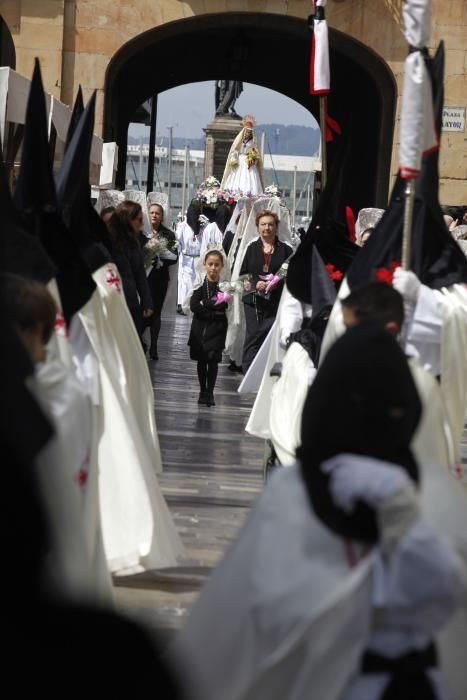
x=367, y=218
x=162, y=199
x=112, y=198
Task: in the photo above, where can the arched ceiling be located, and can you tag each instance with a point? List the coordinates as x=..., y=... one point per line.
x=272, y=51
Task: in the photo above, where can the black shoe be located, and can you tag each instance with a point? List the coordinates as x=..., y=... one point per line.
x=180, y=310
x=232, y=367
x=153, y=355
x=210, y=399
x=202, y=398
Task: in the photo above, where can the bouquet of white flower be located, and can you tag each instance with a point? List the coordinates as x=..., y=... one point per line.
x=272, y=191
x=242, y=285
x=157, y=249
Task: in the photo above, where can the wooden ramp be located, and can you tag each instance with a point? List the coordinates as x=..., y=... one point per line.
x=212, y=474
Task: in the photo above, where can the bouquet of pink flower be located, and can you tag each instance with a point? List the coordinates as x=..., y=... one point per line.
x=222, y=298
x=272, y=280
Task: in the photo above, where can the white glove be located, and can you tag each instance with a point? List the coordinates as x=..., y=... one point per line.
x=354, y=477
x=407, y=284
x=168, y=255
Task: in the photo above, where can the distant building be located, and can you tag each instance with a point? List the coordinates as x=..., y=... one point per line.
x=278, y=170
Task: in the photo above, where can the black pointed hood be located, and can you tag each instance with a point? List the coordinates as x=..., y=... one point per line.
x=327, y=233
x=74, y=194
x=223, y=216
x=73, y=177
x=323, y=293
x=349, y=409
x=323, y=289
x=20, y=253
x=35, y=198
x=78, y=109
x=192, y=217
x=436, y=259
x=35, y=186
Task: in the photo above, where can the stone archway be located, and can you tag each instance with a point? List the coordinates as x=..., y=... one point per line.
x=7, y=47
x=272, y=51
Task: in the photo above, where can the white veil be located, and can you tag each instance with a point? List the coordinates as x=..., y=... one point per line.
x=112, y=198
x=162, y=199
x=367, y=218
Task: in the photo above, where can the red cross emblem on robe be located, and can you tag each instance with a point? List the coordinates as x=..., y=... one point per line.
x=113, y=279
x=60, y=325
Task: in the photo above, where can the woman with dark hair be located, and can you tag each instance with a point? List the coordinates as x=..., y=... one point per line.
x=338, y=583
x=124, y=228
x=106, y=214
x=158, y=278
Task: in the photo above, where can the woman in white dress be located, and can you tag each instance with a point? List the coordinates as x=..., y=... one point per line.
x=244, y=168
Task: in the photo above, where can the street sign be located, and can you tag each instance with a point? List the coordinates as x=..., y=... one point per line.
x=453, y=119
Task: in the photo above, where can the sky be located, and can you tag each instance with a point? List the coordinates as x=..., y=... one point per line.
x=188, y=108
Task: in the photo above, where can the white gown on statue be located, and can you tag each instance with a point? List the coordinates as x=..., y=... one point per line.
x=241, y=178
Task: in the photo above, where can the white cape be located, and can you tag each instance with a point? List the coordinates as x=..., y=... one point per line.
x=134, y=377
x=283, y=615
x=287, y=400
x=67, y=471
x=137, y=526
x=264, y=625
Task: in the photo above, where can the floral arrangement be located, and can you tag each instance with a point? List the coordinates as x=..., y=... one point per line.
x=386, y=274
x=272, y=191
x=157, y=249
x=252, y=156
x=211, y=195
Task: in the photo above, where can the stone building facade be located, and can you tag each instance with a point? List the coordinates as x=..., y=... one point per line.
x=77, y=40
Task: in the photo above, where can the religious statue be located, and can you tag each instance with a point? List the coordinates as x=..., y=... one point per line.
x=227, y=92
x=244, y=167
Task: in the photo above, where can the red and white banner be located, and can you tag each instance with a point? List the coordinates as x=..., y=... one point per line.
x=320, y=76
x=417, y=129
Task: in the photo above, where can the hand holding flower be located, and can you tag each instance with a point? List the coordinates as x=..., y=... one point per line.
x=272, y=282
x=222, y=298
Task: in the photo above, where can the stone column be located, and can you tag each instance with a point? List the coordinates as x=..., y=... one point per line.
x=220, y=134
